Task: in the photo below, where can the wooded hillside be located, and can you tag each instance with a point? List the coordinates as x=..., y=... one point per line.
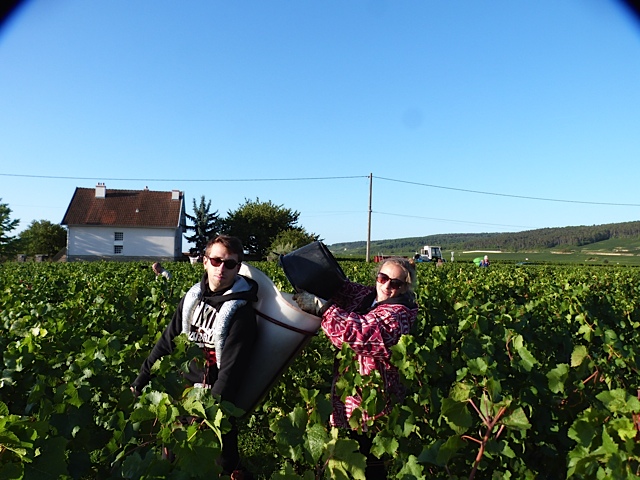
x=543, y=238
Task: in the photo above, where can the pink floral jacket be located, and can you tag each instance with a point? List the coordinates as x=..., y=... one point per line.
x=370, y=330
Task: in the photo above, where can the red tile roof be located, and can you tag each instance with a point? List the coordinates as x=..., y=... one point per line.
x=124, y=208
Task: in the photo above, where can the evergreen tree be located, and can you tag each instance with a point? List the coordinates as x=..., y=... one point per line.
x=205, y=226
x=7, y=244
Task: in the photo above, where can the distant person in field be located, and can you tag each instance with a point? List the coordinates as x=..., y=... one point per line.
x=217, y=314
x=485, y=261
x=159, y=270
x=370, y=319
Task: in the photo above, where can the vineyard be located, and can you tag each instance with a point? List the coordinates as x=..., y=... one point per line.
x=515, y=372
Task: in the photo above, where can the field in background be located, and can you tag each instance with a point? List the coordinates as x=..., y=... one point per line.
x=553, y=257
x=622, y=246
x=624, y=252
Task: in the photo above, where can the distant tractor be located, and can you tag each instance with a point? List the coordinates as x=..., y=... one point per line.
x=429, y=254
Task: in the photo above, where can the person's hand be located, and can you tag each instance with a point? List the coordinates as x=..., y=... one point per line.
x=309, y=303
x=134, y=391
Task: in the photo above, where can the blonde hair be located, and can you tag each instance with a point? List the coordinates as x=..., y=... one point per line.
x=408, y=266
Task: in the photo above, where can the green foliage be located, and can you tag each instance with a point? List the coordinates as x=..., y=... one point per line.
x=510, y=373
x=7, y=243
x=289, y=240
x=607, y=438
x=206, y=225
x=43, y=237
x=258, y=223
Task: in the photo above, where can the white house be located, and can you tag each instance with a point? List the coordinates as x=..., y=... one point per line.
x=106, y=224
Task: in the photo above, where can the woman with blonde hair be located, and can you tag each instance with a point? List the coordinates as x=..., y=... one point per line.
x=370, y=320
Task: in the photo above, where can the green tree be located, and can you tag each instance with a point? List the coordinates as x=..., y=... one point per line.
x=206, y=225
x=43, y=237
x=258, y=223
x=7, y=244
x=289, y=240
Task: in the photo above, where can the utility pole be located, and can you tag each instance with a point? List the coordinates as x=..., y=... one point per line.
x=369, y=223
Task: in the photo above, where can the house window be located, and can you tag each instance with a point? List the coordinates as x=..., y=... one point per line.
x=119, y=236
x=117, y=249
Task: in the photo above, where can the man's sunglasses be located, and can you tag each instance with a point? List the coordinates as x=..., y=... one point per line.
x=394, y=283
x=229, y=263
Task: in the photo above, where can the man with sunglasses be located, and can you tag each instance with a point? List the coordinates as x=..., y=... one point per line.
x=370, y=320
x=217, y=314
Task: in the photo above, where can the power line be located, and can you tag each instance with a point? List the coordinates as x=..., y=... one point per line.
x=297, y=179
x=510, y=196
x=55, y=177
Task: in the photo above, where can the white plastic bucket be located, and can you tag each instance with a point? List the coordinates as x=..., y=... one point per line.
x=283, y=330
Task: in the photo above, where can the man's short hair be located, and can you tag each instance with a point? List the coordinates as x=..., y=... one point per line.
x=232, y=244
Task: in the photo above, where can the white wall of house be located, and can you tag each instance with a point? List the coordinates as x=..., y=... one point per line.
x=102, y=242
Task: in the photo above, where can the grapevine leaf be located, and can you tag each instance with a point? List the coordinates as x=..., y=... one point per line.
x=457, y=415
x=619, y=400
x=322, y=409
x=430, y=453
x=517, y=420
x=494, y=388
x=582, y=432
x=400, y=348
x=383, y=444
x=317, y=438
x=290, y=431
x=477, y=366
x=624, y=427
x=578, y=355
x=507, y=451
x=585, y=330
x=143, y=413
x=557, y=377
x=346, y=460
x=578, y=458
x=189, y=455
x=195, y=408
x=527, y=360
x=155, y=397
x=411, y=469
x=608, y=447
x=10, y=441
x=409, y=426
x=308, y=396
x=439, y=453
x=461, y=392
x=298, y=418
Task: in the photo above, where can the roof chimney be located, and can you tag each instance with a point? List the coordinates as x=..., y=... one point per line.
x=101, y=190
x=175, y=194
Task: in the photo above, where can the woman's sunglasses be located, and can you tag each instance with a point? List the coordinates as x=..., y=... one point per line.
x=394, y=283
x=228, y=263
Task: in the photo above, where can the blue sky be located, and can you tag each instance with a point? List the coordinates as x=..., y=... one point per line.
x=472, y=116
